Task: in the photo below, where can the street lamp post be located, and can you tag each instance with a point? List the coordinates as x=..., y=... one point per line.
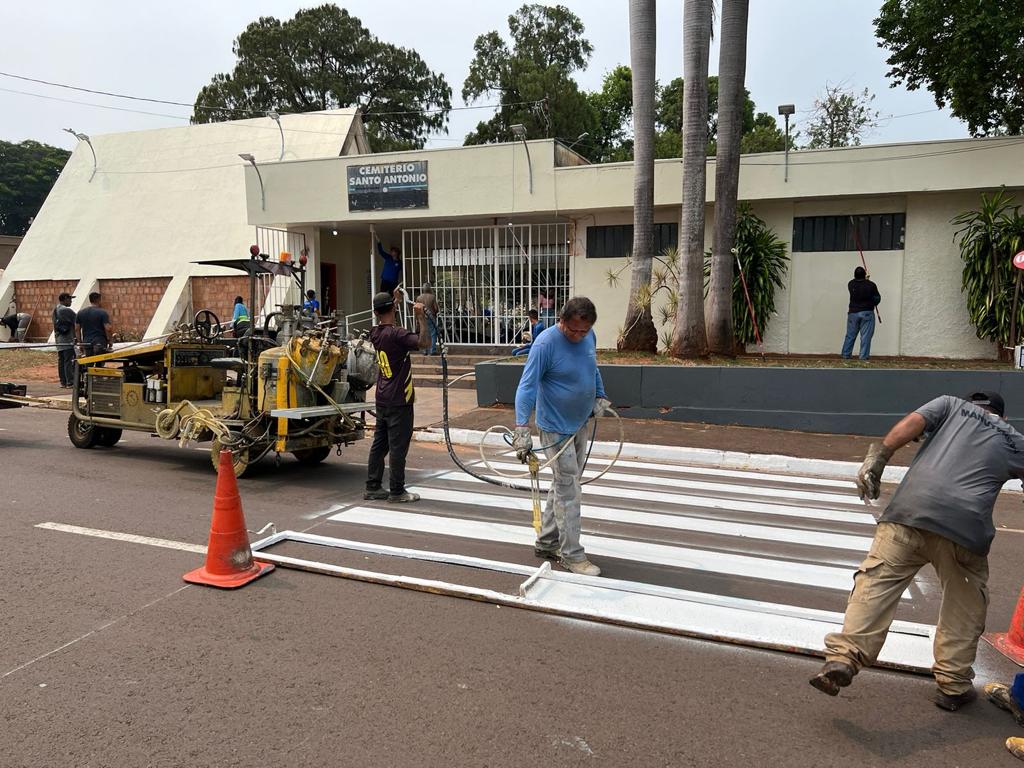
x=85, y=138
x=252, y=161
x=273, y=115
x=786, y=110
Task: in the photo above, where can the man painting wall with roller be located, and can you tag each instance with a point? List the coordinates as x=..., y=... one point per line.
x=940, y=514
x=562, y=383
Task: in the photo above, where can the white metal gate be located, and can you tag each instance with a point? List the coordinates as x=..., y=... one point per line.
x=487, y=278
x=273, y=291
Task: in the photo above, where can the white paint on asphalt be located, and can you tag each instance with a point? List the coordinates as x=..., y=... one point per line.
x=744, y=566
x=733, y=473
x=129, y=537
x=700, y=485
x=677, y=522
x=705, y=502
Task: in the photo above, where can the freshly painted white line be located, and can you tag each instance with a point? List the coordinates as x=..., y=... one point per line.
x=746, y=566
x=129, y=537
x=675, y=522
x=705, y=502
x=734, y=473
x=700, y=485
x=705, y=456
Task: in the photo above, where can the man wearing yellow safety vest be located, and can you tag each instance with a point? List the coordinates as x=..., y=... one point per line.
x=562, y=382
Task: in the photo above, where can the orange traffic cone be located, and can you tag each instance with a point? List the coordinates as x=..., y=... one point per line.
x=1011, y=642
x=229, y=562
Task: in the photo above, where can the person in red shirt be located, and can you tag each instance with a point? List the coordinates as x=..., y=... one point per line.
x=394, y=397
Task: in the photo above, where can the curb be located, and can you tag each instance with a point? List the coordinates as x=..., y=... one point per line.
x=845, y=470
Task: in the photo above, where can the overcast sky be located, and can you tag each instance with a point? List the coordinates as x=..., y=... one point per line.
x=170, y=50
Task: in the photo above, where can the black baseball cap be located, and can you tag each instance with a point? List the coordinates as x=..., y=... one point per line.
x=383, y=301
x=991, y=400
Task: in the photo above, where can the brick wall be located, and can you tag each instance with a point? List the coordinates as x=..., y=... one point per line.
x=132, y=302
x=217, y=294
x=38, y=298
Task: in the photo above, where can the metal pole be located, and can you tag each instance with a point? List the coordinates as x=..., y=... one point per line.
x=786, y=173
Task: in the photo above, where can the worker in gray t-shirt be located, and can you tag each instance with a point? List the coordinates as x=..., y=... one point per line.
x=940, y=514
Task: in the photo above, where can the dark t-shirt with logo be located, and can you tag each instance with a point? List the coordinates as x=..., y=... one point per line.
x=954, y=479
x=394, y=377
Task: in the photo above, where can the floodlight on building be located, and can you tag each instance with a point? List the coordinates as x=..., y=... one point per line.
x=85, y=138
x=273, y=115
x=334, y=232
x=519, y=132
x=252, y=161
x=786, y=110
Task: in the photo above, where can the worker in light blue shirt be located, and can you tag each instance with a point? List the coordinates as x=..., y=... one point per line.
x=562, y=383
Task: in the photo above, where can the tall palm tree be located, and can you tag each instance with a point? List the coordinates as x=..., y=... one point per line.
x=732, y=66
x=639, y=333
x=689, y=338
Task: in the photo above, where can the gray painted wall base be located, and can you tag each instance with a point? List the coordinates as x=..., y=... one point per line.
x=832, y=400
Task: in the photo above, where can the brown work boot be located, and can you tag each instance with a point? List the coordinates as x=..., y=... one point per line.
x=833, y=676
x=403, y=498
x=999, y=695
x=372, y=494
x=582, y=567
x=951, y=702
x=547, y=553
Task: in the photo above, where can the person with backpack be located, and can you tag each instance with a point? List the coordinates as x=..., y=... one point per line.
x=64, y=335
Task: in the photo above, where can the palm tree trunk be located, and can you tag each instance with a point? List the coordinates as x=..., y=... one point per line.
x=639, y=333
x=689, y=338
x=732, y=66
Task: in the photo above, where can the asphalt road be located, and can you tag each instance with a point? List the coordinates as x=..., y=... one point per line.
x=108, y=659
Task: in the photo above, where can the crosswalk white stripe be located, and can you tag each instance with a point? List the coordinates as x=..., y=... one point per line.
x=746, y=566
x=656, y=520
x=734, y=473
x=704, y=502
x=700, y=485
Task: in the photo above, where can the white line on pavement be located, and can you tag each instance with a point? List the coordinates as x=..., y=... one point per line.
x=129, y=537
x=705, y=502
x=677, y=522
x=803, y=574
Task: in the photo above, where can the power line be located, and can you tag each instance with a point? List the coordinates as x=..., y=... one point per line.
x=243, y=111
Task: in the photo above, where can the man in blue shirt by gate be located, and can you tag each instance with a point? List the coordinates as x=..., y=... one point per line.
x=562, y=382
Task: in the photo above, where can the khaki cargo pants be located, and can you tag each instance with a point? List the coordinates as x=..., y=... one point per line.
x=897, y=553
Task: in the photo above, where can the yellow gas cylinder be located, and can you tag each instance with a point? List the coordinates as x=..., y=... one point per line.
x=317, y=358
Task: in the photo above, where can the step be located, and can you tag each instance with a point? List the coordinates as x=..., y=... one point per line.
x=435, y=370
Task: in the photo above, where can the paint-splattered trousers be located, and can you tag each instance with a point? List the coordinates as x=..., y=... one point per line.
x=560, y=520
x=897, y=553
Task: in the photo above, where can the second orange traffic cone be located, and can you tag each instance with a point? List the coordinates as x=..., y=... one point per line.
x=229, y=562
x=1011, y=642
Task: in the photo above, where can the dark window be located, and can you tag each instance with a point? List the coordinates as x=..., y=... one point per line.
x=872, y=232
x=616, y=241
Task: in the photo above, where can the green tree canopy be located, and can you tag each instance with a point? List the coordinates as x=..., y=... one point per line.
x=324, y=58
x=840, y=118
x=613, y=105
x=27, y=173
x=969, y=54
x=532, y=78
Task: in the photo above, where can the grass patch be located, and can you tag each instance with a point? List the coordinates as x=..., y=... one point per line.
x=611, y=357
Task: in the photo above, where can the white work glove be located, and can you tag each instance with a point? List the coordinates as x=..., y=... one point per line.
x=522, y=442
x=869, y=476
x=601, y=406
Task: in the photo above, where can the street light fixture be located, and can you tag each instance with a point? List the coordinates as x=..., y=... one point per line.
x=786, y=110
x=252, y=161
x=273, y=115
x=85, y=138
x=519, y=132
x=579, y=138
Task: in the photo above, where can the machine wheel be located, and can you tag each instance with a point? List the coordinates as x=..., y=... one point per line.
x=312, y=456
x=82, y=433
x=241, y=463
x=108, y=437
